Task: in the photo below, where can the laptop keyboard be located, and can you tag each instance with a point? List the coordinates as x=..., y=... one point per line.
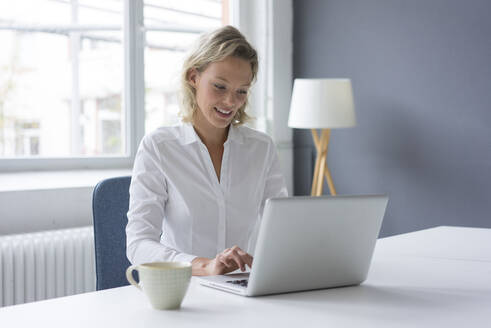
x=242, y=282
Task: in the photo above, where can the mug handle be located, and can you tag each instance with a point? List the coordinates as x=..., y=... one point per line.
x=129, y=276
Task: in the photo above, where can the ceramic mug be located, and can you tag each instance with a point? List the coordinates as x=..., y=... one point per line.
x=164, y=283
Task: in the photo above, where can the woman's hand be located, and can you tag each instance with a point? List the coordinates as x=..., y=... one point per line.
x=227, y=261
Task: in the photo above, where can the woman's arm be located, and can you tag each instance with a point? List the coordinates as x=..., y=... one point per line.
x=148, y=195
x=275, y=184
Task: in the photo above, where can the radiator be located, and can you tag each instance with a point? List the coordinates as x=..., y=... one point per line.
x=43, y=265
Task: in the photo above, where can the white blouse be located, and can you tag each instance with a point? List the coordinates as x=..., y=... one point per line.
x=179, y=209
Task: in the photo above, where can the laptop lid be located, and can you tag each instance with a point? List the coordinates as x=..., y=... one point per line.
x=309, y=243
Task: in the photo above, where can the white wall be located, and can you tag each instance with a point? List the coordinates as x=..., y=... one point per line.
x=37, y=201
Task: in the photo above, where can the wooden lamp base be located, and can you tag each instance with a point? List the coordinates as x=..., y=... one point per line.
x=321, y=168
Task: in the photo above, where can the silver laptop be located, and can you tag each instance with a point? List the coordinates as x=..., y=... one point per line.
x=307, y=243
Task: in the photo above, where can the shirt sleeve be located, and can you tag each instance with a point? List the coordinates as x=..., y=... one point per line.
x=275, y=184
x=148, y=195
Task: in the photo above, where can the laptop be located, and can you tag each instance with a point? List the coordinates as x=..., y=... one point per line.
x=307, y=243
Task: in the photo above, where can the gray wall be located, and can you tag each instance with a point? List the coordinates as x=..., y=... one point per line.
x=421, y=74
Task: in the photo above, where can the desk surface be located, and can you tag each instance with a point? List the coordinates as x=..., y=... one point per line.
x=431, y=278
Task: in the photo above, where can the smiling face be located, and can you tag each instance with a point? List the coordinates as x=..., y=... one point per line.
x=221, y=89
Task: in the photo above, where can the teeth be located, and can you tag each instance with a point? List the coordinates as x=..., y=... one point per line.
x=223, y=111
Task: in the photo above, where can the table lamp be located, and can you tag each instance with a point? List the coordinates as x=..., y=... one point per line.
x=322, y=104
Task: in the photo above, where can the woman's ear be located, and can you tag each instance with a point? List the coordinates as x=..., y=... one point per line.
x=192, y=77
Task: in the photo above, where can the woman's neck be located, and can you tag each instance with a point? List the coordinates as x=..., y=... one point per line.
x=210, y=135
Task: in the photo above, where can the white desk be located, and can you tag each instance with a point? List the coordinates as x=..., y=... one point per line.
x=438, y=277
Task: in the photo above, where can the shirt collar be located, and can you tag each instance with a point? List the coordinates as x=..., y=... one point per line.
x=235, y=134
x=189, y=135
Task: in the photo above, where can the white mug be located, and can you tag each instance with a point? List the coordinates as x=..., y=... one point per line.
x=164, y=283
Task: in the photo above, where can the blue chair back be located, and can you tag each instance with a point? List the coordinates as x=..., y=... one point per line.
x=109, y=207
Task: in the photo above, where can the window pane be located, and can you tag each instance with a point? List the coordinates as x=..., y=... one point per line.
x=172, y=26
x=61, y=78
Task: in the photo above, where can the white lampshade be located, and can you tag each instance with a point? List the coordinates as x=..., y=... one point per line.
x=322, y=104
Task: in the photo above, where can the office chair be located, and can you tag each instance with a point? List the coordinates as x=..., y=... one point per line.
x=109, y=207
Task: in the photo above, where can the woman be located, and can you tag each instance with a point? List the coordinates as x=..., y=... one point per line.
x=198, y=190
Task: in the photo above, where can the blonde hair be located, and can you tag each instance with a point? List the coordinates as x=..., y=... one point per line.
x=213, y=47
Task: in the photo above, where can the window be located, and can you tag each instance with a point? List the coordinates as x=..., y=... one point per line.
x=81, y=81
x=58, y=60
x=78, y=89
